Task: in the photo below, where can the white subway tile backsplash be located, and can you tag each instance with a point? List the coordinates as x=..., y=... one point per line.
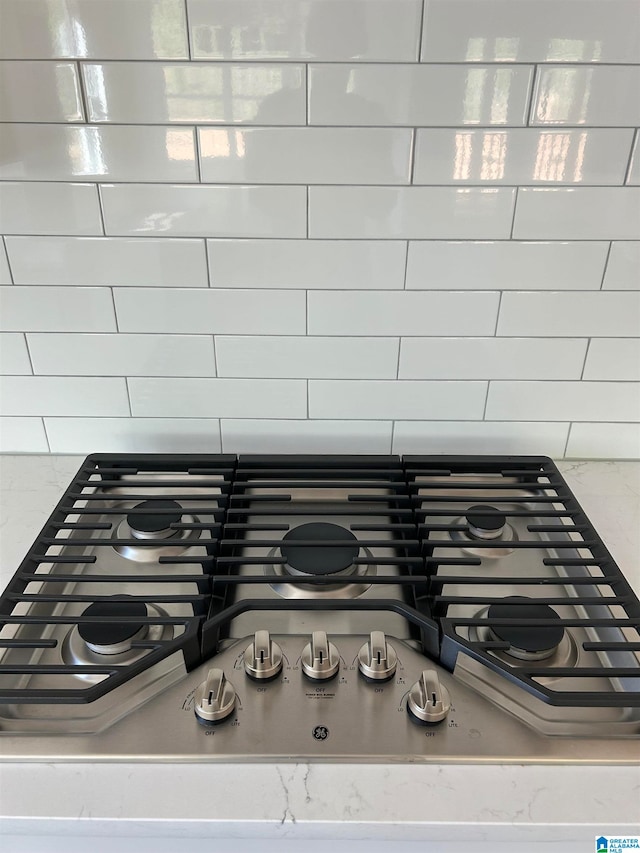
x=522, y=156
x=411, y=212
x=14, y=356
x=505, y=265
x=267, y=436
x=218, y=398
x=563, y=401
x=584, y=213
x=56, y=309
x=308, y=357
x=190, y=93
x=530, y=31
x=50, y=152
x=308, y=155
x=204, y=211
x=599, y=96
x=206, y=312
x=604, y=441
x=423, y=95
x=110, y=261
x=308, y=264
x=370, y=399
x=623, y=266
x=142, y=29
x=42, y=208
x=133, y=435
x=480, y=437
x=633, y=176
x=369, y=30
x=572, y=314
x=39, y=91
x=22, y=435
x=5, y=272
x=405, y=313
x=613, y=358
x=491, y=358
x=122, y=355
x=69, y=395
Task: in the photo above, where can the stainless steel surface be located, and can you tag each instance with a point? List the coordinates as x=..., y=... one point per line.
x=428, y=700
x=320, y=659
x=346, y=719
x=377, y=658
x=215, y=698
x=263, y=658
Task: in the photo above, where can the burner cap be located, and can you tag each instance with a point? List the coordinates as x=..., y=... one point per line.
x=530, y=639
x=485, y=518
x=319, y=559
x=145, y=525
x=113, y=636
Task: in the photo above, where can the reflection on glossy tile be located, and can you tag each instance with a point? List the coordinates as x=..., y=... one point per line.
x=222, y=93
x=563, y=401
x=49, y=152
x=306, y=155
x=613, y=358
x=408, y=399
x=327, y=30
x=307, y=357
x=110, y=261
x=317, y=436
x=634, y=167
x=40, y=208
x=120, y=29
x=585, y=213
x=204, y=211
x=14, y=357
x=68, y=395
x=56, y=309
x=410, y=212
x=597, y=96
x=607, y=441
x=418, y=95
x=479, y=437
x=122, y=355
x=22, y=435
x=531, y=31
x=311, y=264
x=39, y=91
x=506, y=265
x=491, y=358
x=225, y=398
x=133, y=435
x=224, y=312
x=623, y=266
x=522, y=156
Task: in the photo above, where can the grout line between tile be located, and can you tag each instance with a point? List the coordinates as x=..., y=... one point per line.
x=26, y=343
x=308, y=415
x=207, y=265
x=606, y=264
x=83, y=94
x=220, y=433
x=635, y=148
x=215, y=356
x=3, y=242
x=186, y=20
x=46, y=434
x=306, y=312
x=196, y=145
x=307, y=84
x=486, y=402
x=406, y=265
x=513, y=218
x=100, y=211
x=421, y=30
x=115, y=311
x=586, y=355
x=412, y=155
x=393, y=434
x=566, y=444
x=307, y=214
x=126, y=382
x=398, y=361
x=495, y=330
x=531, y=98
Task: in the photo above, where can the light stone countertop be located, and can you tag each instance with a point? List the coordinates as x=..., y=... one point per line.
x=443, y=808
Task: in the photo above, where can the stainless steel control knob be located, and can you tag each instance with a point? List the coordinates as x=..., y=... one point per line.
x=429, y=700
x=215, y=698
x=377, y=659
x=320, y=658
x=263, y=658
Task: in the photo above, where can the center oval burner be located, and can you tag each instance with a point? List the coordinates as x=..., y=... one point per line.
x=526, y=642
x=154, y=524
x=115, y=636
x=319, y=559
x=485, y=522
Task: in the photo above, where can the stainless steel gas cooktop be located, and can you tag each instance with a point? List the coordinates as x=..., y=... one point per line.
x=353, y=608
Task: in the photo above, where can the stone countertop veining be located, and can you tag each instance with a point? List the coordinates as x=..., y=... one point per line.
x=456, y=807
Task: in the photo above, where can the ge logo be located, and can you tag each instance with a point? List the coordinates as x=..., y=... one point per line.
x=321, y=733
